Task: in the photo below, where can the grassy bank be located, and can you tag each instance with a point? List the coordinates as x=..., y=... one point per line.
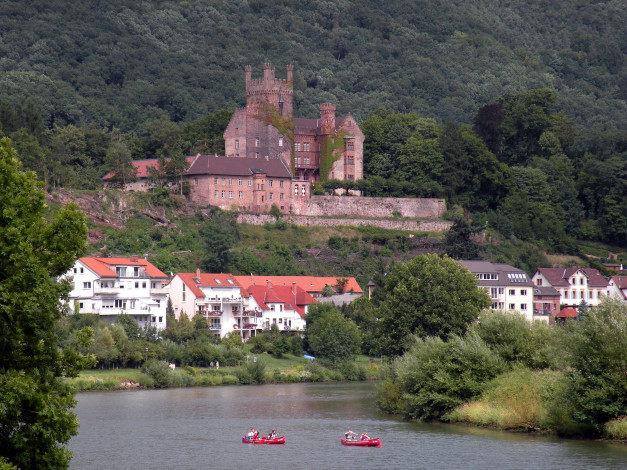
x=267, y=369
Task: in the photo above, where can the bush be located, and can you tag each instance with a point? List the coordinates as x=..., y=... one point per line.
x=349, y=370
x=316, y=372
x=257, y=371
x=180, y=379
x=617, y=428
x=159, y=372
x=145, y=381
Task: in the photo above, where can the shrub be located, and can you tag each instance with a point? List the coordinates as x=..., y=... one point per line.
x=617, y=428
x=257, y=371
x=316, y=372
x=229, y=380
x=349, y=370
x=180, y=379
x=145, y=381
x=159, y=372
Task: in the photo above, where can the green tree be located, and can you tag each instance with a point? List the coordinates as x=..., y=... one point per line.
x=330, y=335
x=36, y=416
x=458, y=242
x=118, y=160
x=427, y=296
x=219, y=233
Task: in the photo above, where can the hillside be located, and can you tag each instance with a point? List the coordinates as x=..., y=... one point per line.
x=121, y=63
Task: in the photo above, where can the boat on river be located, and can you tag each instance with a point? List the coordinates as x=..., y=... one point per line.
x=363, y=442
x=263, y=440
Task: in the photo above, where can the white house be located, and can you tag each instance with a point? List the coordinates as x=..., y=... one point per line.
x=509, y=288
x=617, y=287
x=574, y=284
x=113, y=286
x=217, y=297
x=283, y=306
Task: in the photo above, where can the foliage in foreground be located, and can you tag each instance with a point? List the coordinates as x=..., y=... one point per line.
x=36, y=416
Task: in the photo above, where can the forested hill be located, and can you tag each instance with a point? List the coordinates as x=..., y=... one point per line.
x=118, y=63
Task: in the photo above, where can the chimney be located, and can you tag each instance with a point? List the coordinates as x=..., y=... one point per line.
x=197, y=273
x=294, y=288
x=268, y=283
x=134, y=259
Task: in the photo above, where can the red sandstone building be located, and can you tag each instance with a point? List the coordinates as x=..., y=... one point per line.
x=323, y=148
x=271, y=158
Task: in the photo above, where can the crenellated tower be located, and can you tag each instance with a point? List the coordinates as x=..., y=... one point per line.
x=271, y=90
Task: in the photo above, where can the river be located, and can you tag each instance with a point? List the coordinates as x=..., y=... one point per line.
x=201, y=428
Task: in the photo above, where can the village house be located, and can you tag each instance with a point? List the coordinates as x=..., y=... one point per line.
x=282, y=306
x=617, y=287
x=546, y=301
x=575, y=285
x=114, y=286
x=509, y=288
x=313, y=285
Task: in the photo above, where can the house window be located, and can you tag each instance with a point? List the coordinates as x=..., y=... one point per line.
x=250, y=182
x=241, y=195
x=256, y=154
x=297, y=146
x=80, y=305
x=280, y=320
x=223, y=194
x=137, y=285
x=230, y=194
x=236, y=143
x=523, y=306
x=297, y=160
x=350, y=177
x=160, y=319
x=223, y=181
x=523, y=291
x=350, y=146
x=512, y=292
x=271, y=196
x=86, y=285
x=281, y=196
x=230, y=181
x=81, y=270
x=74, y=270
x=154, y=319
x=591, y=294
x=493, y=292
x=581, y=294
x=215, y=181
x=270, y=183
x=565, y=294
x=280, y=141
x=215, y=193
x=239, y=182
x=183, y=297
x=581, y=281
x=195, y=180
x=257, y=142
x=501, y=290
x=495, y=305
x=512, y=306
x=306, y=160
x=306, y=146
x=281, y=184
x=538, y=282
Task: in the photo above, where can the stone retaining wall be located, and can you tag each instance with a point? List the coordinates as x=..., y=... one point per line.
x=390, y=224
x=377, y=207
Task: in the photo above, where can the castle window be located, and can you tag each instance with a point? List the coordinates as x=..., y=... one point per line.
x=271, y=196
x=270, y=183
x=223, y=194
x=281, y=196
x=306, y=160
x=230, y=194
x=281, y=184
x=256, y=154
x=350, y=146
x=257, y=142
x=297, y=146
x=296, y=190
x=280, y=141
x=306, y=146
x=236, y=143
x=350, y=160
x=297, y=160
x=239, y=182
x=350, y=177
x=303, y=190
x=215, y=193
x=230, y=181
x=195, y=180
x=241, y=195
x=250, y=182
x=223, y=181
x=215, y=181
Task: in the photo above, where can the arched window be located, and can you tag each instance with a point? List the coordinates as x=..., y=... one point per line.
x=296, y=190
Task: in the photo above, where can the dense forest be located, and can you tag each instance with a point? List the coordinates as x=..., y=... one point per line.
x=515, y=113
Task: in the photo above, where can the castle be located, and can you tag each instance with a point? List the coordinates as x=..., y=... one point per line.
x=270, y=157
x=315, y=149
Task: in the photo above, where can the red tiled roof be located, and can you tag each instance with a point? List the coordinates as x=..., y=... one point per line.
x=311, y=284
x=555, y=276
x=105, y=267
x=595, y=279
x=567, y=313
x=296, y=301
x=143, y=165
x=560, y=276
x=209, y=280
x=620, y=281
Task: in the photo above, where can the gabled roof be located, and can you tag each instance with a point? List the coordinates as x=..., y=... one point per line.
x=311, y=284
x=621, y=283
x=546, y=291
x=195, y=282
x=568, y=312
x=507, y=275
x=143, y=165
x=294, y=299
x=105, y=267
x=238, y=166
x=560, y=276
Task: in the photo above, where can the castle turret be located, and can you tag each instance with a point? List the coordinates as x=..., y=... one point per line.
x=327, y=118
x=290, y=74
x=270, y=90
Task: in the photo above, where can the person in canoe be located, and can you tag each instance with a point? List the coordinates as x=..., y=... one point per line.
x=272, y=434
x=350, y=435
x=365, y=437
x=252, y=434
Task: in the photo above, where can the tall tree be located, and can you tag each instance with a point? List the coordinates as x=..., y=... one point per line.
x=36, y=416
x=119, y=161
x=428, y=296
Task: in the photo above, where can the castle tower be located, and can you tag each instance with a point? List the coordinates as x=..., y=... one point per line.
x=327, y=118
x=270, y=90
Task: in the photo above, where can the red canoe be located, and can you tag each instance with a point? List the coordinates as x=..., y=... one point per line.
x=366, y=442
x=263, y=440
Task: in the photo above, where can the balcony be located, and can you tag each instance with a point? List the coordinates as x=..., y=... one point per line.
x=247, y=313
x=160, y=291
x=215, y=327
x=210, y=313
x=107, y=290
x=245, y=326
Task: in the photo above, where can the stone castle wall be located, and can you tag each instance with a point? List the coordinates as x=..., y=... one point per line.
x=372, y=207
x=390, y=224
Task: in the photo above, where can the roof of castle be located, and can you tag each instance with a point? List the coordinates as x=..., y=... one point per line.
x=306, y=126
x=238, y=166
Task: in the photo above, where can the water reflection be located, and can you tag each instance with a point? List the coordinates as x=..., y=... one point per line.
x=202, y=428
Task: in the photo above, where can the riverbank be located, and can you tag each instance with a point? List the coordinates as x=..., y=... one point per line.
x=261, y=369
